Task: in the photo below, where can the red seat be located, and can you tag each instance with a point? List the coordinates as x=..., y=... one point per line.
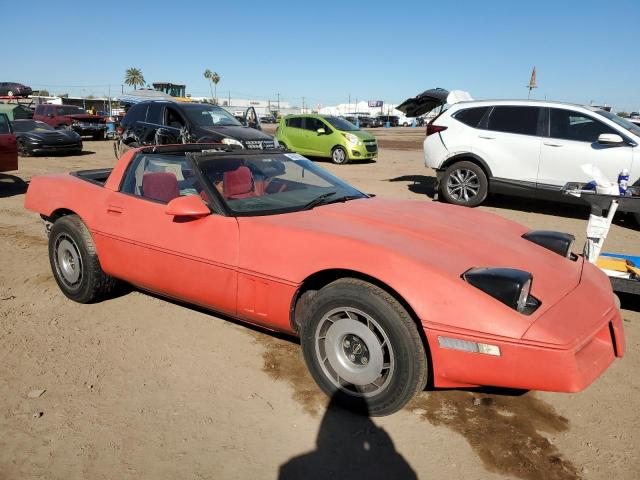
x=238, y=183
x=161, y=186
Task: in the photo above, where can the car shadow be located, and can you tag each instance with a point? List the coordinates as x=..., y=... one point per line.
x=10, y=185
x=629, y=301
x=349, y=445
x=421, y=184
x=64, y=154
x=426, y=185
x=351, y=162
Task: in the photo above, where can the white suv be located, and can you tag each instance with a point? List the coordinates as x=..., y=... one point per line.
x=525, y=148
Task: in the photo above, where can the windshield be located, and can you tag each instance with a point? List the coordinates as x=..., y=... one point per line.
x=23, y=126
x=341, y=124
x=210, y=116
x=69, y=110
x=626, y=124
x=272, y=183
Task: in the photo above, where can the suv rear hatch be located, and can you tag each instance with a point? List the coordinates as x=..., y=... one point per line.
x=430, y=99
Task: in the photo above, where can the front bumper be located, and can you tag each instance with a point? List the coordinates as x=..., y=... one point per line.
x=365, y=151
x=71, y=147
x=88, y=129
x=565, y=350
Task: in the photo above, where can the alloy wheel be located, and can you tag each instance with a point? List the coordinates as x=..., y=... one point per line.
x=68, y=261
x=463, y=184
x=354, y=352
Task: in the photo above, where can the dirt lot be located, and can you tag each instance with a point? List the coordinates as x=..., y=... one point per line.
x=139, y=387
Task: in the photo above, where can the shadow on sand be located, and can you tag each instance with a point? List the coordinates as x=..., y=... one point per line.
x=349, y=446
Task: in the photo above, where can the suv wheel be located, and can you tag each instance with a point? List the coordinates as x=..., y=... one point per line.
x=464, y=183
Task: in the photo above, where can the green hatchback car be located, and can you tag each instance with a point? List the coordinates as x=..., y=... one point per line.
x=326, y=136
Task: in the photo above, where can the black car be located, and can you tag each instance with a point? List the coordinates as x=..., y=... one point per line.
x=370, y=122
x=393, y=120
x=12, y=89
x=269, y=119
x=36, y=137
x=164, y=122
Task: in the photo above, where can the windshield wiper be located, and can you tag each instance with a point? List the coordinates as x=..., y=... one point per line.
x=318, y=200
x=344, y=198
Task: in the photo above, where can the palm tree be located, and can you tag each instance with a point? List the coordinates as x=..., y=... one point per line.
x=133, y=77
x=215, y=78
x=207, y=75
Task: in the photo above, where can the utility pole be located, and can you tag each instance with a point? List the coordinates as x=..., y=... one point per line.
x=349, y=102
x=278, y=102
x=302, y=105
x=229, y=98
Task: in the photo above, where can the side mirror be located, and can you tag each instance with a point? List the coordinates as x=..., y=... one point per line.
x=321, y=131
x=610, y=139
x=189, y=206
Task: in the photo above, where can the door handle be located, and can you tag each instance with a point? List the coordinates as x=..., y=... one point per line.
x=114, y=209
x=486, y=137
x=549, y=144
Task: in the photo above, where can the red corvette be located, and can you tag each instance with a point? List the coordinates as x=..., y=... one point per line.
x=386, y=295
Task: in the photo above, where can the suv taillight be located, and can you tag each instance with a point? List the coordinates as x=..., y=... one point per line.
x=431, y=129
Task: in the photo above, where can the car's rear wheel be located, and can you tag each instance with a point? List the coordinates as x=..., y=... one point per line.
x=99, y=135
x=637, y=217
x=361, y=345
x=283, y=145
x=75, y=263
x=339, y=156
x=464, y=183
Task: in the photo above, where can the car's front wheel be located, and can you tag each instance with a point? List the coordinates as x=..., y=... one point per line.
x=464, y=183
x=361, y=345
x=339, y=156
x=75, y=263
x=23, y=150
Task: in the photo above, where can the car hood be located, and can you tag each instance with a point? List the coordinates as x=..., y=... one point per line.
x=237, y=132
x=430, y=99
x=54, y=136
x=443, y=238
x=362, y=135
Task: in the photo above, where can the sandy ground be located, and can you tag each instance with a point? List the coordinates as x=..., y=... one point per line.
x=140, y=387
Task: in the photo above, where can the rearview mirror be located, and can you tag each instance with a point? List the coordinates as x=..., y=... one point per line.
x=609, y=139
x=321, y=131
x=189, y=206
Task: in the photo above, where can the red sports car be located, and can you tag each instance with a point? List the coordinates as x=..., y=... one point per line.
x=386, y=295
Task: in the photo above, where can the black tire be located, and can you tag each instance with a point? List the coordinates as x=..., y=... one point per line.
x=23, y=151
x=339, y=156
x=98, y=136
x=283, y=145
x=404, y=355
x=75, y=264
x=637, y=217
x=464, y=183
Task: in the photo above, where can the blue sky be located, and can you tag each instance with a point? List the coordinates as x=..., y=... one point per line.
x=583, y=50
